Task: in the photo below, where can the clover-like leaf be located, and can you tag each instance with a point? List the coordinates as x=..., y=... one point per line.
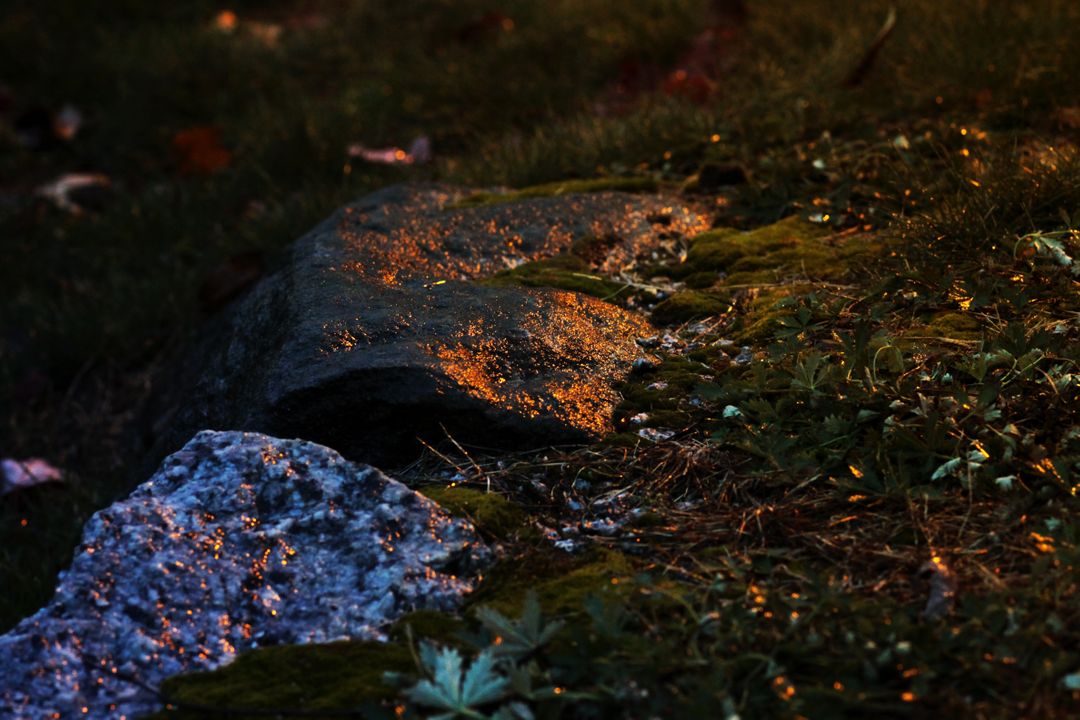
x=449, y=689
x=519, y=638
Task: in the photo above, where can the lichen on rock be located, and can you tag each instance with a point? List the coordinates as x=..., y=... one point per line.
x=239, y=541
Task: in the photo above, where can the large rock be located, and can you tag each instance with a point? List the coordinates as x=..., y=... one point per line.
x=371, y=335
x=239, y=540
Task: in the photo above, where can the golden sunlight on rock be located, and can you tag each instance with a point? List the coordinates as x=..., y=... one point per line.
x=429, y=239
x=564, y=326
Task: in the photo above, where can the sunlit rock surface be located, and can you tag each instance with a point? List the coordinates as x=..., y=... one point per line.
x=413, y=232
x=239, y=540
x=371, y=334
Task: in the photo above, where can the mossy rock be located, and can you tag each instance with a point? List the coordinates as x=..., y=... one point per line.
x=347, y=675
x=686, y=306
x=562, y=187
x=491, y=513
x=331, y=676
x=563, y=272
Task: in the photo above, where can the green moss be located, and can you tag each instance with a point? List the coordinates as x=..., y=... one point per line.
x=620, y=440
x=562, y=187
x=701, y=280
x=439, y=627
x=676, y=376
x=950, y=325
x=309, y=677
x=565, y=272
x=759, y=322
x=791, y=247
x=492, y=514
x=562, y=582
x=688, y=305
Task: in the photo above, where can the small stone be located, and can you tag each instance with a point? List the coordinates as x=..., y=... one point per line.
x=656, y=434
x=603, y=526
x=566, y=545
x=745, y=356
x=645, y=364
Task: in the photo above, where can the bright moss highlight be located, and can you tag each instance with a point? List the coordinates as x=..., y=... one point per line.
x=790, y=248
x=563, y=272
x=688, y=305
x=776, y=261
x=491, y=513
x=949, y=325
x=562, y=187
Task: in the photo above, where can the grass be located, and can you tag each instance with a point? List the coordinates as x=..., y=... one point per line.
x=906, y=423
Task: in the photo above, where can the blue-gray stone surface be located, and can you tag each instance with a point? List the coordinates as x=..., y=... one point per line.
x=239, y=540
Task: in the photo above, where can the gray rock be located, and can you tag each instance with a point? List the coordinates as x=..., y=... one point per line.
x=371, y=335
x=239, y=540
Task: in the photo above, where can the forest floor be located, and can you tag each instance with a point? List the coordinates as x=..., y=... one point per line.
x=871, y=509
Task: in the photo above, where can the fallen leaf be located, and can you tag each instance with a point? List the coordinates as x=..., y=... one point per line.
x=419, y=153
x=20, y=474
x=225, y=21
x=70, y=192
x=200, y=151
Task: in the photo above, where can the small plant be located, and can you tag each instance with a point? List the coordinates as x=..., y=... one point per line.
x=503, y=677
x=457, y=691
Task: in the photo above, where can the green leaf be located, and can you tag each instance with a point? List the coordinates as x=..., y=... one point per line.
x=448, y=690
x=519, y=638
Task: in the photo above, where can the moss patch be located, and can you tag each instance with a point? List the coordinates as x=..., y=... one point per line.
x=688, y=305
x=948, y=325
x=789, y=248
x=564, y=272
x=491, y=513
x=763, y=314
x=723, y=262
x=562, y=582
x=661, y=394
x=562, y=187
x=309, y=677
